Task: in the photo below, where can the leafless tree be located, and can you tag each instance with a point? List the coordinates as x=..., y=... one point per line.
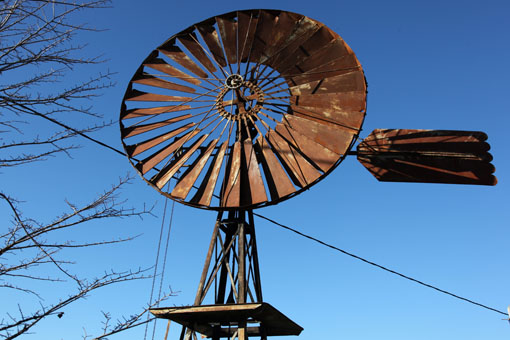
x=38, y=50
x=38, y=57
x=27, y=244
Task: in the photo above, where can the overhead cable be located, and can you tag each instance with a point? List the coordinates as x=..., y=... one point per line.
x=308, y=236
x=379, y=266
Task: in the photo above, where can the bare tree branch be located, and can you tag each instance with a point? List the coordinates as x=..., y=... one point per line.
x=128, y=323
x=38, y=53
x=36, y=49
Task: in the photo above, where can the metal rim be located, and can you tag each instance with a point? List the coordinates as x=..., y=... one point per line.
x=243, y=109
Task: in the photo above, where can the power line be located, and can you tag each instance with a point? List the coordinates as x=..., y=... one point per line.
x=302, y=234
x=67, y=127
x=379, y=266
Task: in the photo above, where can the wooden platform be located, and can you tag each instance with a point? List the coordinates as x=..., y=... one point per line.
x=223, y=320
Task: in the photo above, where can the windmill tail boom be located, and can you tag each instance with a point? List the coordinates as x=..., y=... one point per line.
x=428, y=156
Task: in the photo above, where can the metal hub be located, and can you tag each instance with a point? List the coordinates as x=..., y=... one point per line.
x=247, y=99
x=234, y=81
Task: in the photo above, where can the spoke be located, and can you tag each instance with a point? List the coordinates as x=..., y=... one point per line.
x=191, y=135
x=207, y=52
x=277, y=85
x=187, y=116
x=194, y=99
x=239, y=57
x=257, y=80
x=270, y=79
x=278, y=98
x=179, y=77
x=251, y=47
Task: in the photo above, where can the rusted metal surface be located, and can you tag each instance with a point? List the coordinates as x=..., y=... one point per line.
x=136, y=149
x=149, y=80
x=153, y=97
x=190, y=41
x=205, y=191
x=263, y=104
x=227, y=28
x=169, y=171
x=299, y=169
x=135, y=130
x=253, y=191
x=334, y=138
x=232, y=191
x=278, y=182
x=187, y=180
x=428, y=156
x=160, y=65
x=210, y=37
x=177, y=55
x=247, y=25
x=154, y=159
x=154, y=111
x=321, y=157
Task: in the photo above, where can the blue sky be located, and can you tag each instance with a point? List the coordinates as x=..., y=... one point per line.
x=429, y=65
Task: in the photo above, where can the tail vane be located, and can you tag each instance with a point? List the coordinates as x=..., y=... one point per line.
x=428, y=156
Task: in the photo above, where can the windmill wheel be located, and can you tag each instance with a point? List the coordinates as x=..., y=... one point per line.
x=243, y=110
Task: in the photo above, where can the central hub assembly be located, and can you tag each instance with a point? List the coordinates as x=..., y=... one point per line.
x=234, y=81
x=246, y=98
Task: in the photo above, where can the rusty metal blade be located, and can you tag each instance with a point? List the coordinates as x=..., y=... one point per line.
x=138, y=148
x=137, y=129
x=299, y=169
x=348, y=101
x=177, y=55
x=278, y=182
x=169, y=171
x=304, y=30
x=149, y=80
x=190, y=41
x=227, y=28
x=266, y=22
x=253, y=190
x=205, y=192
x=323, y=158
x=231, y=194
x=428, y=156
x=247, y=25
x=210, y=36
x=342, y=65
x=335, y=118
x=320, y=38
x=423, y=141
x=284, y=26
x=151, y=161
x=161, y=66
x=351, y=81
x=331, y=51
x=135, y=95
x=188, y=179
x=141, y=112
x=336, y=139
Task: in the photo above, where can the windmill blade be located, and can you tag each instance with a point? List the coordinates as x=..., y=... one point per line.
x=428, y=156
x=281, y=96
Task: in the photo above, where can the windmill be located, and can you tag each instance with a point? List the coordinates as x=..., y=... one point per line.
x=250, y=108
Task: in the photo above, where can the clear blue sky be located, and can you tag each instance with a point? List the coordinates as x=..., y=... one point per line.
x=429, y=65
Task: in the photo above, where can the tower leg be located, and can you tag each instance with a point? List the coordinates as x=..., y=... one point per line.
x=228, y=303
x=231, y=263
